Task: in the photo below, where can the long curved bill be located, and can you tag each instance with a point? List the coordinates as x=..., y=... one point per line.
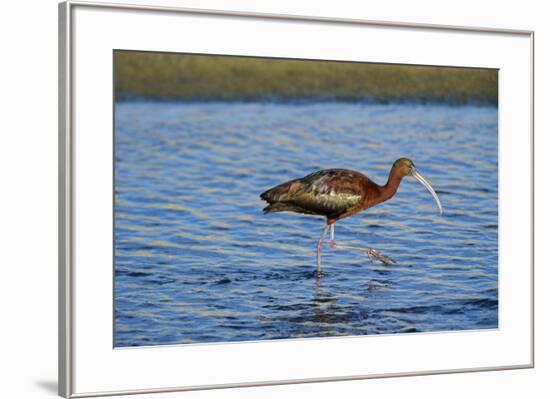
x=424, y=182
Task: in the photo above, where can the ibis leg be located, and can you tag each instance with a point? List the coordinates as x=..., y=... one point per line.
x=320, y=248
x=371, y=252
x=331, y=243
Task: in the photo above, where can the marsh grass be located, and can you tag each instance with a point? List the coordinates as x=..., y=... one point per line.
x=167, y=76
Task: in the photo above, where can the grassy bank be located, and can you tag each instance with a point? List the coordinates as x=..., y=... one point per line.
x=196, y=77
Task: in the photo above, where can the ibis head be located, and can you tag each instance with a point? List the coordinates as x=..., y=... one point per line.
x=405, y=167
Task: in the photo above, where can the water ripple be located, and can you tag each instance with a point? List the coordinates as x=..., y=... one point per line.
x=196, y=261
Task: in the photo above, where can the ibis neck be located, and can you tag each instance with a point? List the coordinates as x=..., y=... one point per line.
x=390, y=188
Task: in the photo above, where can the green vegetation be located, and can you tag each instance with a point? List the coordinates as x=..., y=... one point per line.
x=203, y=77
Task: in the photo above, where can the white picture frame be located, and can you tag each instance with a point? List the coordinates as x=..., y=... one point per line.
x=89, y=366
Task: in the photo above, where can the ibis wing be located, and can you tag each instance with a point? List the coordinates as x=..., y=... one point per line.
x=331, y=205
x=331, y=192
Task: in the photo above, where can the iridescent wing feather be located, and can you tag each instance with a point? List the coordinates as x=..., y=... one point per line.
x=330, y=192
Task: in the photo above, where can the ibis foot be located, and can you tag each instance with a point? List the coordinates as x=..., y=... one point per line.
x=372, y=253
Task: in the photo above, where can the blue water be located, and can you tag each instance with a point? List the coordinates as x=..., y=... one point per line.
x=197, y=261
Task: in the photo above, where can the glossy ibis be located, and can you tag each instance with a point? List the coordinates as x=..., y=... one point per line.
x=339, y=193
